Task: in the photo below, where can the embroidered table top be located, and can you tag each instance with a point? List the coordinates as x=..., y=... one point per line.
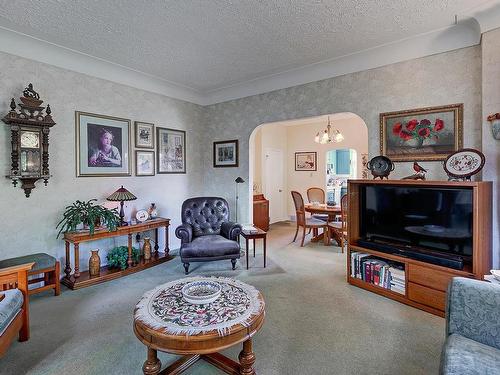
x=164, y=308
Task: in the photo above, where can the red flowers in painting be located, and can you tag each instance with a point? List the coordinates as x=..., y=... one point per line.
x=415, y=129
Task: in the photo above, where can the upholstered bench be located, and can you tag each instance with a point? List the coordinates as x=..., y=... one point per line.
x=44, y=264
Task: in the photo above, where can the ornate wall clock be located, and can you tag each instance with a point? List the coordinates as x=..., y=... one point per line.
x=29, y=128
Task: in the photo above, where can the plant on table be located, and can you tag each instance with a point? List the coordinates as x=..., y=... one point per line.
x=118, y=256
x=89, y=214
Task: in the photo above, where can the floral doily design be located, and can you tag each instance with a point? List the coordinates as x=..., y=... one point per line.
x=463, y=163
x=164, y=307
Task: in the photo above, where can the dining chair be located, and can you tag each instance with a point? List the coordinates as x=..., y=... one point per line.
x=338, y=229
x=316, y=194
x=306, y=222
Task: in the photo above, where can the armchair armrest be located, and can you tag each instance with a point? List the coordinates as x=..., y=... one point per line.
x=473, y=310
x=185, y=233
x=230, y=230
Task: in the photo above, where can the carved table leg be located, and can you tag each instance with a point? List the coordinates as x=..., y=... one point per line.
x=156, y=240
x=247, y=359
x=67, y=270
x=167, y=249
x=152, y=365
x=129, y=259
x=77, y=260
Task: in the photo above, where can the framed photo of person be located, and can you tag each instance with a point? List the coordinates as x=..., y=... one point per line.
x=144, y=163
x=144, y=135
x=102, y=145
x=305, y=161
x=226, y=154
x=171, y=151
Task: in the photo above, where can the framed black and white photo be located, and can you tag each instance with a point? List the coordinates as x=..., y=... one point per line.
x=102, y=145
x=144, y=135
x=171, y=151
x=226, y=154
x=144, y=163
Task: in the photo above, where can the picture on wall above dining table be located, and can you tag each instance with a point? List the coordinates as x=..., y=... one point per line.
x=421, y=134
x=305, y=161
x=171, y=151
x=102, y=145
x=226, y=154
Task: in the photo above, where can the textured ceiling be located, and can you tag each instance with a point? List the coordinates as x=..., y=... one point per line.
x=209, y=44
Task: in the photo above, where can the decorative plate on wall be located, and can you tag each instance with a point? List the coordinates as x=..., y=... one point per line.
x=464, y=163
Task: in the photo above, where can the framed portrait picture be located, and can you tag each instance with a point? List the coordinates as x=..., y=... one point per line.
x=102, y=145
x=144, y=163
x=305, y=161
x=226, y=154
x=421, y=134
x=171, y=151
x=144, y=135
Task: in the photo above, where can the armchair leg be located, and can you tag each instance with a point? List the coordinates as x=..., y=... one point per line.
x=233, y=262
x=186, y=268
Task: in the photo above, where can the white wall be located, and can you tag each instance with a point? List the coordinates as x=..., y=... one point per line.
x=491, y=147
x=28, y=224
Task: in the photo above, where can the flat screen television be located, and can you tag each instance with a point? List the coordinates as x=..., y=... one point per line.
x=425, y=220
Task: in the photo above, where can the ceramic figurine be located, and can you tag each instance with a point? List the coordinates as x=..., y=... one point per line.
x=420, y=172
x=152, y=211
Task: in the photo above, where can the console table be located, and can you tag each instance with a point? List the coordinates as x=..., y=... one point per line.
x=77, y=279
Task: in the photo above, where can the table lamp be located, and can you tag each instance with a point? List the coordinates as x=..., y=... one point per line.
x=122, y=195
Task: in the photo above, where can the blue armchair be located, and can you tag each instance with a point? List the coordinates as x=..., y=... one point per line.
x=206, y=233
x=472, y=328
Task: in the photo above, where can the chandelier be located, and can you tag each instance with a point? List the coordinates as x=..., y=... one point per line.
x=328, y=136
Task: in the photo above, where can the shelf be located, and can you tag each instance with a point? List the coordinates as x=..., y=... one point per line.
x=107, y=274
x=374, y=287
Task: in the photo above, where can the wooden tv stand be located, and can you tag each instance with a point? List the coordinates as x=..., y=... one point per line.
x=426, y=283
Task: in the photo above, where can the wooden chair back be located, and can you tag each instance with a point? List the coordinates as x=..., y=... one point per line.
x=316, y=194
x=298, y=201
x=344, y=209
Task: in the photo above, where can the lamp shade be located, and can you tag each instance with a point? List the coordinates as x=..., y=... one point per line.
x=239, y=180
x=121, y=194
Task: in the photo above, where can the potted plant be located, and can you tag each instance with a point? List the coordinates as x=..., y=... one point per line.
x=89, y=214
x=118, y=256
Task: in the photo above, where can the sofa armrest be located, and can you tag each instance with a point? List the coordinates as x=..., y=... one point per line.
x=473, y=310
x=185, y=233
x=230, y=230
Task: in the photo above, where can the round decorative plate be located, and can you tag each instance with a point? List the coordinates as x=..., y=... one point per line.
x=201, y=292
x=464, y=163
x=142, y=215
x=380, y=165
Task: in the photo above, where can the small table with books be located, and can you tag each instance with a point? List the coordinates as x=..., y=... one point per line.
x=250, y=232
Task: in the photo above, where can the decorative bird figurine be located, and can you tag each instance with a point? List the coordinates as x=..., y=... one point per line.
x=418, y=168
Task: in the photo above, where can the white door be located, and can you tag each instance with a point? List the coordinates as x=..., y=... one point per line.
x=274, y=183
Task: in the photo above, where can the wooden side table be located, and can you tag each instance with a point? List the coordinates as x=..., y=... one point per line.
x=259, y=233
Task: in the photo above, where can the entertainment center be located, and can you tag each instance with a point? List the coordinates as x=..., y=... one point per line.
x=407, y=239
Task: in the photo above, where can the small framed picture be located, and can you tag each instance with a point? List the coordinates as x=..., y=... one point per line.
x=305, y=161
x=144, y=163
x=171, y=152
x=144, y=135
x=102, y=145
x=226, y=154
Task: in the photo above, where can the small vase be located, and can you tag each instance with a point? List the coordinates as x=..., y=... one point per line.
x=94, y=263
x=415, y=142
x=146, y=248
x=152, y=211
x=495, y=129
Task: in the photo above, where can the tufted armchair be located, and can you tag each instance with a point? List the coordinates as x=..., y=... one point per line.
x=206, y=233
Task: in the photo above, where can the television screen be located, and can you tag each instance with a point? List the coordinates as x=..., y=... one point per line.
x=433, y=218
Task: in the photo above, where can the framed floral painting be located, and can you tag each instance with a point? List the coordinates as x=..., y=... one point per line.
x=421, y=134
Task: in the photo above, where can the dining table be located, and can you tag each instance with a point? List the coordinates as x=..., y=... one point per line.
x=322, y=208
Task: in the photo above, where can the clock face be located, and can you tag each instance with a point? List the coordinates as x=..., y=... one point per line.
x=30, y=139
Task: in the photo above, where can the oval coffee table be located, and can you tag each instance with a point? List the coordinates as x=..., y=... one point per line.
x=164, y=321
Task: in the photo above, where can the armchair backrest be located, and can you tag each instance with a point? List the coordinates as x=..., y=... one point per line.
x=316, y=194
x=205, y=214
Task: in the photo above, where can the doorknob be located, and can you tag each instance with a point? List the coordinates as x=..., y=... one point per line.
x=280, y=190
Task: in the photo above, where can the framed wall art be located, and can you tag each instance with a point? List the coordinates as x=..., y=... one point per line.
x=144, y=135
x=305, y=161
x=226, y=154
x=144, y=163
x=421, y=134
x=102, y=145
x=171, y=151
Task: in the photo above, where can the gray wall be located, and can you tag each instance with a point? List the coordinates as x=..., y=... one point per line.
x=28, y=224
x=447, y=78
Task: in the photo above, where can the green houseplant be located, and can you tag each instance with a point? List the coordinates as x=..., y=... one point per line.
x=118, y=256
x=90, y=214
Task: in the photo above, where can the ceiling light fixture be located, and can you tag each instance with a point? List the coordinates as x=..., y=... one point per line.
x=327, y=136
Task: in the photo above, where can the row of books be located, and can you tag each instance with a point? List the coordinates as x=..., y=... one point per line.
x=381, y=272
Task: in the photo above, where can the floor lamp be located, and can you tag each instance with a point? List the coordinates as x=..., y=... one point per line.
x=238, y=181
